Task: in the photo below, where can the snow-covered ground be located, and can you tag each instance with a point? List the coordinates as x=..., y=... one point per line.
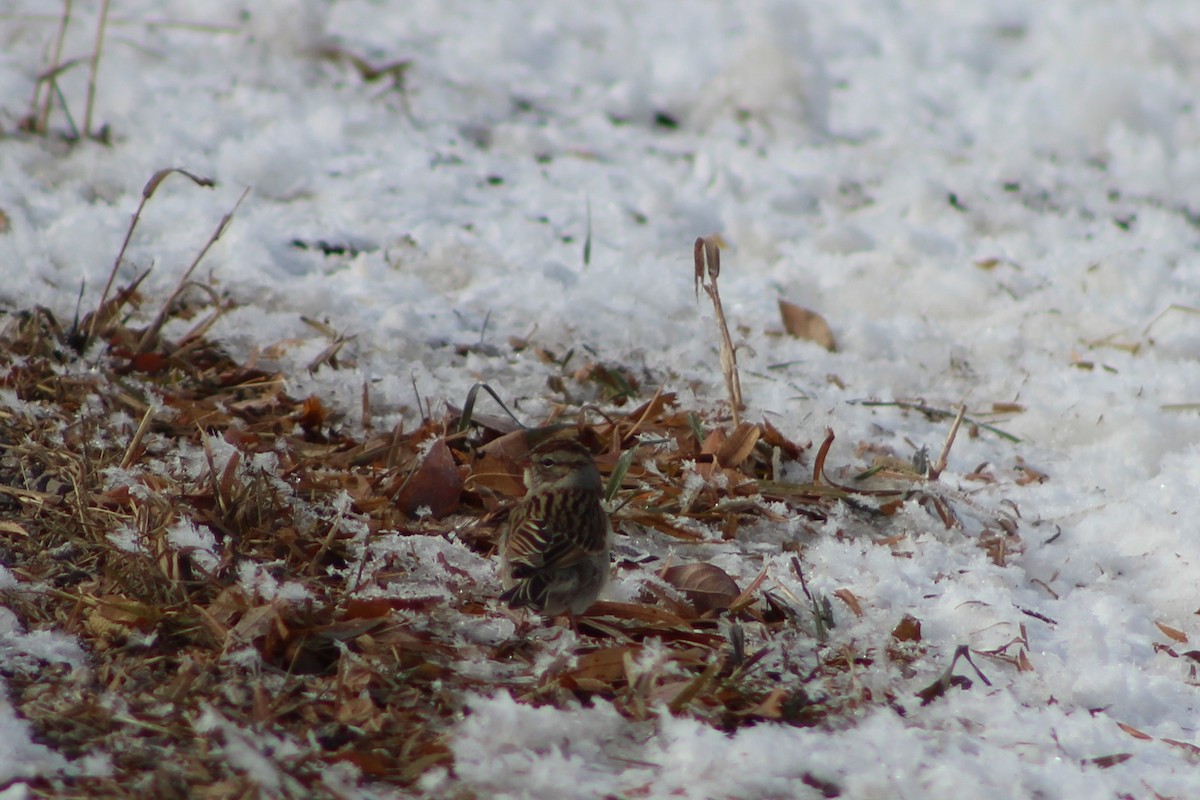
x=990, y=202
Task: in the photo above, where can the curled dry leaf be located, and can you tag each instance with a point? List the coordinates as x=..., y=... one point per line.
x=738, y=446
x=707, y=587
x=606, y=665
x=1134, y=732
x=639, y=612
x=847, y=597
x=805, y=324
x=436, y=485
x=500, y=475
x=772, y=436
x=1172, y=633
x=907, y=629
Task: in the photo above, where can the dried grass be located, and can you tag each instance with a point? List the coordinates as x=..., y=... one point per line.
x=93, y=458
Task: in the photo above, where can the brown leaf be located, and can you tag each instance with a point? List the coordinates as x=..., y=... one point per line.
x=512, y=446
x=606, y=665
x=805, y=324
x=737, y=448
x=1134, y=732
x=1110, y=761
x=772, y=436
x=1029, y=474
x=771, y=706
x=150, y=363
x=500, y=475
x=653, y=408
x=706, y=586
x=713, y=442
x=660, y=523
x=1172, y=633
x=847, y=597
x=908, y=629
x=313, y=414
x=436, y=485
x=1191, y=749
x=374, y=764
x=367, y=608
x=639, y=612
x=747, y=594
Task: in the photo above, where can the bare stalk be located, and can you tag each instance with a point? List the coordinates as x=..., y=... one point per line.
x=938, y=466
x=95, y=66
x=147, y=192
x=152, y=332
x=43, y=114
x=707, y=257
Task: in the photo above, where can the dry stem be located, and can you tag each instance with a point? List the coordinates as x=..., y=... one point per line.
x=152, y=332
x=43, y=116
x=147, y=192
x=707, y=257
x=95, y=65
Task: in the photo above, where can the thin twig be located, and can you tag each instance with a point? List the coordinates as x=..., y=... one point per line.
x=152, y=332
x=707, y=256
x=136, y=441
x=936, y=470
x=147, y=192
x=587, y=239
x=91, y=92
x=43, y=119
x=937, y=413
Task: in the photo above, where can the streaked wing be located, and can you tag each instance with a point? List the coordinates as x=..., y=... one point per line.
x=549, y=536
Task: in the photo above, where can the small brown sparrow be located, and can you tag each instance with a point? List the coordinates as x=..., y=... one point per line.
x=554, y=553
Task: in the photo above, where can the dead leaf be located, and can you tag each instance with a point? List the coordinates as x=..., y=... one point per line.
x=772, y=436
x=500, y=475
x=1029, y=474
x=313, y=414
x=436, y=485
x=374, y=764
x=1191, y=749
x=1172, y=633
x=771, y=706
x=706, y=586
x=847, y=597
x=1134, y=732
x=747, y=596
x=805, y=324
x=908, y=629
x=640, y=613
x=739, y=445
x=367, y=608
x=605, y=665
x=149, y=363
x=713, y=442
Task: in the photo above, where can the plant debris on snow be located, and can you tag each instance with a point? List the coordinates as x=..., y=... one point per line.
x=234, y=561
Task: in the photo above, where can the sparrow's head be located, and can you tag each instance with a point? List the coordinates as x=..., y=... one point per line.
x=561, y=463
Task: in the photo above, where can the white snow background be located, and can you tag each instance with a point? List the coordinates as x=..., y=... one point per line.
x=991, y=202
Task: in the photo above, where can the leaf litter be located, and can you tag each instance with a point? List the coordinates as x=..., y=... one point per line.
x=235, y=560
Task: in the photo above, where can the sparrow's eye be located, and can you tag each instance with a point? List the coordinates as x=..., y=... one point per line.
x=546, y=461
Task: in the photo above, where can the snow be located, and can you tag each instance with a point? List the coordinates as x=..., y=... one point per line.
x=979, y=197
